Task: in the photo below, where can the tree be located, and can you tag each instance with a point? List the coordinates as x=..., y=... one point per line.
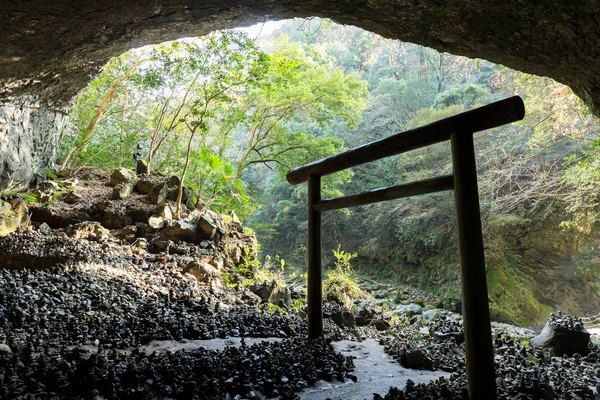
x=301, y=89
x=222, y=65
x=101, y=94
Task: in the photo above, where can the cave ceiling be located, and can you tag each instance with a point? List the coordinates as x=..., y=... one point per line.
x=51, y=49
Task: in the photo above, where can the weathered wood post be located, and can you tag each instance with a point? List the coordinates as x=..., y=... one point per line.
x=476, y=314
x=315, y=286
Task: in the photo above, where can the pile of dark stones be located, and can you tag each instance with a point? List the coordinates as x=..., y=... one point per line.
x=274, y=369
x=565, y=321
x=122, y=307
x=521, y=372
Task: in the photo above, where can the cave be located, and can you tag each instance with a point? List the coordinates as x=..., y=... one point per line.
x=52, y=50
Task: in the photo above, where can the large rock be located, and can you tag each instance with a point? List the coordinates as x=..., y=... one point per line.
x=281, y=296
x=121, y=175
x=122, y=191
x=115, y=218
x=180, y=230
x=340, y=316
x=48, y=187
x=89, y=230
x=415, y=359
x=564, y=334
x=186, y=196
x=208, y=223
x=72, y=198
x=158, y=194
x=13, y=213
x=141, y=167
x=156, y=222
x=145, y=185
x=263, y=289
x=56, y=217
x=163, y=211
x=204, y=273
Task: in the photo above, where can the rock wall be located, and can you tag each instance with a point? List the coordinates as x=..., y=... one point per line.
x=29, y=136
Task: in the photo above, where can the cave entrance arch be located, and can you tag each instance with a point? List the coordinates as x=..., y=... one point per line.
x=459, y=129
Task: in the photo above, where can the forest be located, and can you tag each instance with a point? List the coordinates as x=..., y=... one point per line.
x=230, y=114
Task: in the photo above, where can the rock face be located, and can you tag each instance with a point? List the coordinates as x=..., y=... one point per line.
x=12, y=214
x=564, y=334
x=28, y=140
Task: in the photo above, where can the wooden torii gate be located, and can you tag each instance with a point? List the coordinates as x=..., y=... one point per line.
x=459, y=129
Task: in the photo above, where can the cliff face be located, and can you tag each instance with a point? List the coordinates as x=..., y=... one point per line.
x=29, y=135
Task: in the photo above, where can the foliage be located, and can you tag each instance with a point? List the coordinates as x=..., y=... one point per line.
x=31, y=198
x=466, y=95
x=342, y=260
x=339, y=285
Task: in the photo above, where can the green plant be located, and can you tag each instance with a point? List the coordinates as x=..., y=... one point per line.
x=31, y=198
x=339, y=285
x=343, y=259
x=51, y=174
x=299, y=304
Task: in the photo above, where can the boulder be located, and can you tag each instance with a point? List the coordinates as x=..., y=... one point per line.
x=142, y=229
x=122, y=191
x=5, y=349
x=415, y=359
x=121, y=175
x=128, y=233
x=156, y=222
x=409, y=310
x=141, y=167
x=180, y=230
x=234, y=218
x=13, y=213
x=56, y=217
x=381, y=324
x=158, y=194
x=144, y=186
x=115, y=218
x=204, y=273
x=263, y=289
x=174, y=181
x=281, y=296
x=207, y=222
x=44, y=229
x=564, y=334
x=89, y=230
x=207, y=227
x=250, y=298
x=186, y=197
x=343, y=318
x=430, y=315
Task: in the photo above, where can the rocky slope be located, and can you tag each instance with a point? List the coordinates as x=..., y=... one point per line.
x=101, y=268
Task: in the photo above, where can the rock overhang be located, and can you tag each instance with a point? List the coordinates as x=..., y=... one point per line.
x=53, y=49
